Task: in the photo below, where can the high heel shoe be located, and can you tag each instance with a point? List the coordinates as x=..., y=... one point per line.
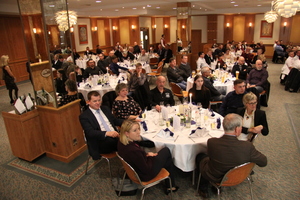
x=174, y=189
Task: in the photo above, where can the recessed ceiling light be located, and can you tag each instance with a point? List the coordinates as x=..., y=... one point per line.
x=144, y=7
x=200, y=8
x=236, y=5
x=123, y=7
x=148, y=6
x=98, y=1
x=117, y=10
x=193, y=6
x=174, y=8
x=51, y=6
x=134, y=8
x=258, y=5
x=205, y=9
x=158, y=7
x=232, y=2
x=100, y=9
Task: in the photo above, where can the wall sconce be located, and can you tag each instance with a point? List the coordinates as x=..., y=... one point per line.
x=183, y=26
x=72, y=29
x=34, y=30
x=154, y=26
x=227, y=25
x=133, y=27
x=49, y=32
x=250, y=24
x=166, y=26
x=94, y=28
x=284, y=24
x=114, y=28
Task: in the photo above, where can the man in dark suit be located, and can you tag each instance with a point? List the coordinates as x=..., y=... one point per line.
x=175, y=74
x=168, y=54
x=185, y=67
x=99, y=127
x=102, y=64
x=88, y=52
x=160, y=52
x=242, y=68
x=225, y=153
x=208, y=82
x=57, y=63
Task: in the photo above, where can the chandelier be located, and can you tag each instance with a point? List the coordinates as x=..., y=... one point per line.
x=61, y=18
x=271, y=16
x=286, y=8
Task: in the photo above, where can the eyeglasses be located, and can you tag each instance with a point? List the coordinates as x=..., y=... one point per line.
x=252, y=103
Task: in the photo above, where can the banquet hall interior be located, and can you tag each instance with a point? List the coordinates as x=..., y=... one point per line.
x=29, y=31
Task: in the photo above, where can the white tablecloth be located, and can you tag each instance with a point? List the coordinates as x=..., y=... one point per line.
x=183, y=149
x=113, y=81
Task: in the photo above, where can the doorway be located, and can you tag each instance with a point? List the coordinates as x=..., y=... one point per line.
x=144, y=38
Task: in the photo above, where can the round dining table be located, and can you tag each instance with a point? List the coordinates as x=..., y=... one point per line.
x=183, y=146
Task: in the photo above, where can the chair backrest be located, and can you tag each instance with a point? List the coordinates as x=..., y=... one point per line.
x=160, y=64
x=159, y=69
x=237, y=175
x=130, y=171
x=108, y=98
x=177, y=91
x=153, y=60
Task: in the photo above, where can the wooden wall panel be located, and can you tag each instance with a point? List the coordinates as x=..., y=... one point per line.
x=134, y=33
x=295, y=30
x=238, y=28
x=166, y=20
x=228, y=31
x=13, y=45
x=93, y=22
x=212, y=28
x=115, y=33
x=153, y=29
x=249, y=31
x=101, y=33
x=125, y=30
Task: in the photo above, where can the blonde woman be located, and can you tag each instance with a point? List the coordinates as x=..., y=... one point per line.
x=147, y=165
x=9, y=79
x=254, y=121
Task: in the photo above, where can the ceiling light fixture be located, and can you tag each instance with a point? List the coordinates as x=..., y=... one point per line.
x=271, y=16
x=286, y=8
x=63, y=18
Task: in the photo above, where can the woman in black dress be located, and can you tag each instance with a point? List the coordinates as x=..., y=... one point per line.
x=72, y=95
x=200, y=94
x=60, y=82
x=9, y=78
x=124, y=107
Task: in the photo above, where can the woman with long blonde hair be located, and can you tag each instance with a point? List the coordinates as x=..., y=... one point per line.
x=9, y=78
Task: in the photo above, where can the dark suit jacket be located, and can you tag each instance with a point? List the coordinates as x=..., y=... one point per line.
x=259, y=119
x=209, y=84
x=175, y=75
x=225, y=153
x=94, y=135
x=243, y=73
x=186, y=69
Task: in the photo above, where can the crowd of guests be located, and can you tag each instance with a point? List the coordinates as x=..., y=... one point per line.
x=240, y=108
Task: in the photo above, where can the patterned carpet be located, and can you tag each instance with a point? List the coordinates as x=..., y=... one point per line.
x=59, y=174
x=294, y=116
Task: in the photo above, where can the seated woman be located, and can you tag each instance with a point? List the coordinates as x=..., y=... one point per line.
x=60, y=82
x=124, y=107
x=254, y=121
x=72, y=94
x=136, y=79
x=200, y=94
x=146, y=165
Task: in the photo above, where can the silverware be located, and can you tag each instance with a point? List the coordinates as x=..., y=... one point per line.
x=176, y=138
x=192, y=139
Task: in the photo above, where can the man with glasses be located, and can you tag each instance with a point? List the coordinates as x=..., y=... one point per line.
x=258, y=77
x=234, y=99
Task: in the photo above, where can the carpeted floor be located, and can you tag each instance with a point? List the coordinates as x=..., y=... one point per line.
x=280, y=179
x=294, y=116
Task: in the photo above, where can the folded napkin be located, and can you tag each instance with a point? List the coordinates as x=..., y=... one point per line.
x=166, y=134
x=199, y=132
x=144, y=125
x=218, y=123
x=176, y=122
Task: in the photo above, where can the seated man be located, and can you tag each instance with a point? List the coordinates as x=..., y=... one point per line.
x=168, y=54
x=161, y=94
x=226, y=153
x=91, y=69
x=99, y=127
x=114, y=67
x=88, y=52
x=258, y=77
x=233, y=99
x=242, y=68
x=185, y=67
x=208, y=82
x=102, y=64
x=201, y=62
x=248, y=56
x=175, y=75
x=143, y=57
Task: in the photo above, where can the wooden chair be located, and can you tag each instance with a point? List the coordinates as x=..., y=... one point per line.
x=177, y=91
x=153, y=61
x=156, y=72
x=107, y=157
x=162, y=175
x=214, y=103
x=234, y=177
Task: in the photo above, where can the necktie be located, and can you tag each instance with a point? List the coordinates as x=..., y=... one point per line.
x=103, y=121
